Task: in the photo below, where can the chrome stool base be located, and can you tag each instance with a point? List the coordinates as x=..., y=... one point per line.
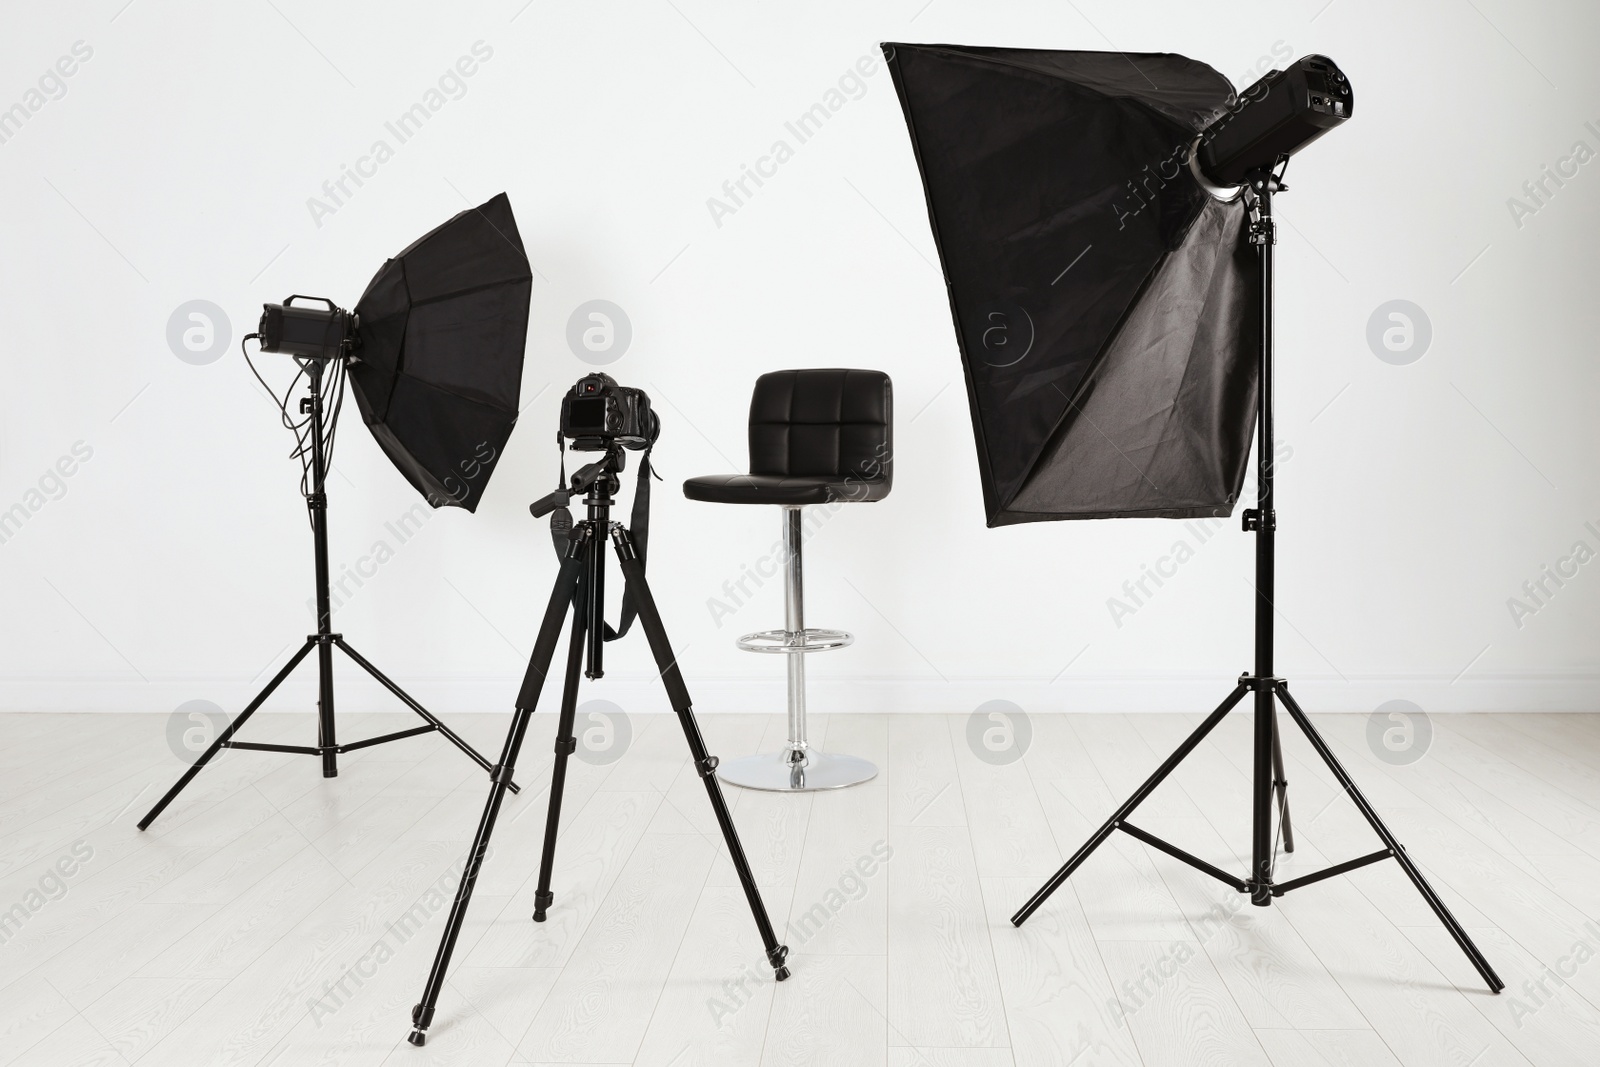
x=797, y=768
x=781, y=772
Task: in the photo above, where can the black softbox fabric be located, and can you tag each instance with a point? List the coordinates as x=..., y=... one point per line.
x=1105, y=304
x=439, y=368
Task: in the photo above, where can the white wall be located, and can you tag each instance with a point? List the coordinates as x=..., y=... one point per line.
x=178, y=166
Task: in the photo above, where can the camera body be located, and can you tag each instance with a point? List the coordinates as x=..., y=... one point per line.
x=597, y=413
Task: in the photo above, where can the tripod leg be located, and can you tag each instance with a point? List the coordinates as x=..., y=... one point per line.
x=566, y=744
x=544, y=650
x=227, y=735
x=406, y=699
x=1394, y=846
x=1281, y=783
x=704, y=762
x=1128, y=805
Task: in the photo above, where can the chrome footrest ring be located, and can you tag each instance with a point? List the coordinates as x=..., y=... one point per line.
x=782, y=642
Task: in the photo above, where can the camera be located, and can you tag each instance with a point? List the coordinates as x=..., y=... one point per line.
x=597, y=413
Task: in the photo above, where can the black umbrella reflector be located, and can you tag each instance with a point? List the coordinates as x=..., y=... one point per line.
x=1105, y=303
x=438, y=367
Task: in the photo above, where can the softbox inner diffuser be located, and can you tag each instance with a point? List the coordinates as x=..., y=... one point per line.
x=1105, y=304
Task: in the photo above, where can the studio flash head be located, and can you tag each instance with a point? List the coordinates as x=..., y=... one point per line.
x=1275, y=118
x=305, y=331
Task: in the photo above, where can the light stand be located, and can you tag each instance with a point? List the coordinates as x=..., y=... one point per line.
x=1267, y=770
x=324, y=640
x=580, y=590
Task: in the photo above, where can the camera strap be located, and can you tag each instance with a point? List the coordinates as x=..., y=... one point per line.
x=561, y=518
x=639, y=526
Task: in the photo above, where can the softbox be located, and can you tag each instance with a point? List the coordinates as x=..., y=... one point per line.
x=1105, y=302
x=439, y=368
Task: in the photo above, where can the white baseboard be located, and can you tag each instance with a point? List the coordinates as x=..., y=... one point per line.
x=1552, y=690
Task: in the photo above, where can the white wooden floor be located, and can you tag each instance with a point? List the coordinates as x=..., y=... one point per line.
x=260, y=920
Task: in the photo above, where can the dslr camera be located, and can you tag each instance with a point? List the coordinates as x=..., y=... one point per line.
x=597, y=414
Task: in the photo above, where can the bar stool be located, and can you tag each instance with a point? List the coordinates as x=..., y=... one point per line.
x=816, y=437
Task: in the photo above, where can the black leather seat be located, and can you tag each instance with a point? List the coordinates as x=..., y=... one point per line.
x=815, y=436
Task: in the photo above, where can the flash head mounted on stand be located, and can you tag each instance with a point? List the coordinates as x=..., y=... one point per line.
x=305, y=331
x=1273, y=119
x=433, y=350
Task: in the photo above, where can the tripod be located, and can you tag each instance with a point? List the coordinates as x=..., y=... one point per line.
x=324, y=641
x=580, y=585
x=1268, y=777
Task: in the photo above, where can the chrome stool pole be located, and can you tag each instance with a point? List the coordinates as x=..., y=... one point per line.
x=794, y=625
x=798, y=768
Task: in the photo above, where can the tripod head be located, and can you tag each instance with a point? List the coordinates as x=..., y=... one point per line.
x=600, y=479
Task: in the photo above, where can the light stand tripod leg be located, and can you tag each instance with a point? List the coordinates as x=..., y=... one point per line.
x=1394, y=846
x=406, y=699
x=227, y=734
x=1128, y=805
x=566, y=744
x=704, y=762
x=1281, y=784
x=544, y=650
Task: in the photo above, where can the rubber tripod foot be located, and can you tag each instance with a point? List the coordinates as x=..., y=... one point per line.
x=541, y=905
x=777, y=958
x=420, y=1018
